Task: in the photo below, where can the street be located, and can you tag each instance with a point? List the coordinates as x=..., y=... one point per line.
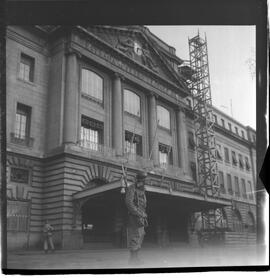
x=151, y=258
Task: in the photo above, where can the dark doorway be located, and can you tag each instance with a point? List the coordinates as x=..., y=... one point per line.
x=168, y=220
x=103, y=220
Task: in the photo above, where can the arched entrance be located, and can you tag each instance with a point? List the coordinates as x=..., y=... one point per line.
x=103, y=216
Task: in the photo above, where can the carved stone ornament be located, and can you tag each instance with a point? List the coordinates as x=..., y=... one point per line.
x=126, y=46
x=147, y=59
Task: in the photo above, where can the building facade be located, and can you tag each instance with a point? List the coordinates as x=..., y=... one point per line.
x=84, y=103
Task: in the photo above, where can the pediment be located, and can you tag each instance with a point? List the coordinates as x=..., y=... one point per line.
x=136, y=45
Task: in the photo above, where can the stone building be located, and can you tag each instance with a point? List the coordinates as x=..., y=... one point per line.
x=84, y=102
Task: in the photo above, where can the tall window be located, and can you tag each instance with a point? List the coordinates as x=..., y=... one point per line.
x=193, y=170
x=241, y=162
x=191, y=142
x=229, y=184
x=163, y=117
x=237, y=221
x=236, y=187
x=250, y=223
x=243, y=134
x=221, y=181
x=215, y=118
x=236, y=130
x=165, y=155
x=234, y=159
x=219, y=152
x=222, y=123
x=26, y=70
x=250, y=190
x=226, y=152
x=132, y=103
x=22, y=122
x=244, y=189
x=230, y=126
x=133, y=145
x=92, y=85
x=247, y=163
x=91, y=134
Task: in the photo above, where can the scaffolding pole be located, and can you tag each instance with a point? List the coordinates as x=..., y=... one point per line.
x=199, y=85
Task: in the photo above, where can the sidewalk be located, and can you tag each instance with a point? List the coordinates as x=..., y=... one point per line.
x=118, y=258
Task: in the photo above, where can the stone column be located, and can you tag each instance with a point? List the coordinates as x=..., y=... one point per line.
x=71, y=99
x=117, y=115
x=152, y=123
x=182, y=140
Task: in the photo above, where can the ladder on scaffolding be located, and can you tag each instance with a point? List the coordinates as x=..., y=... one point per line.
x=199, y=85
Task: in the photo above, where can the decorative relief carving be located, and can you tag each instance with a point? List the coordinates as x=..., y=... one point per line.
x=126, y=46
x=147, y=59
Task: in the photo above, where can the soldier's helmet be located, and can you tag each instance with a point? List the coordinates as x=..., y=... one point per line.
x=141, y=175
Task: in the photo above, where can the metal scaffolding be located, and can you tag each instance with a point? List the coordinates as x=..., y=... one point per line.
x=199, y=84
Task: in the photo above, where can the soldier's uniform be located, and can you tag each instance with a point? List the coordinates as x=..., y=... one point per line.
x=137, y=218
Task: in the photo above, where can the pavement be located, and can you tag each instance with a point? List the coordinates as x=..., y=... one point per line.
x=150, y=258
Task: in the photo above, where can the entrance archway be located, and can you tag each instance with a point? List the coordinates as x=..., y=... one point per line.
x=103, y=217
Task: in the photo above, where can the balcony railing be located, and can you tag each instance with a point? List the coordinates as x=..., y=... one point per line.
x=21, y=140
x=97, y=148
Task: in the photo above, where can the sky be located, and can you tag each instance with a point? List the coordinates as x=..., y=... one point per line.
x=233, y=87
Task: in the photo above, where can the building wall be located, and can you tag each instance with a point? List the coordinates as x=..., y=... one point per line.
x=59, y=169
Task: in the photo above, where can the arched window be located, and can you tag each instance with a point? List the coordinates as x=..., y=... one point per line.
x=163, y=117
x=237, y=221
x=92, y=85
x=132, y=103
x=250, y=223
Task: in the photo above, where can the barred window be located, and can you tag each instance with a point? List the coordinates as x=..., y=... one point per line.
x=26, y=70
x=91, y=133
x=92, y=85
x=132, y=103
x=19, y=175
x=17, y=216
x=163, y=117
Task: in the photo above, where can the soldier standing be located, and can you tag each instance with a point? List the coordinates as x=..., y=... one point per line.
x=137, y=217
x=47, y=234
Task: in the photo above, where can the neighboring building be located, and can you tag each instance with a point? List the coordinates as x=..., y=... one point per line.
x=83, y=102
